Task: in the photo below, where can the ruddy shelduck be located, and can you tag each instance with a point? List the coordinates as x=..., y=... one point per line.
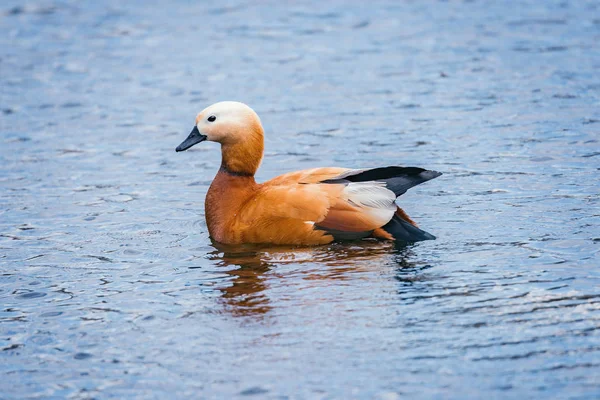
x=309, y=207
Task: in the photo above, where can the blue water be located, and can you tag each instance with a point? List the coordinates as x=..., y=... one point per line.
x=111, y=288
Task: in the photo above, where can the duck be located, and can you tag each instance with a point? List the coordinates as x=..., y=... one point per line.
x=303, y=208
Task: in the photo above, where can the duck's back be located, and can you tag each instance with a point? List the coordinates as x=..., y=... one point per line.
x=313, y=175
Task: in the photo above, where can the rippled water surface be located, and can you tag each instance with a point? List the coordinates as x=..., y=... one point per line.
x=110, y=286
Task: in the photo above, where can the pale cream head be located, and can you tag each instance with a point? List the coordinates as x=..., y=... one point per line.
x=228, y=122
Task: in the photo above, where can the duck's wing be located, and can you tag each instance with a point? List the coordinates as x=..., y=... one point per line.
x=356, y=208
x=345, y=203
x=325, y=197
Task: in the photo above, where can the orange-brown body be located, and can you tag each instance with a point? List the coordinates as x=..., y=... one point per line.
x=283, y=210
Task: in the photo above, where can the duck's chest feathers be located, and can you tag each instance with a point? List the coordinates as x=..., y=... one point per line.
x=226, y=196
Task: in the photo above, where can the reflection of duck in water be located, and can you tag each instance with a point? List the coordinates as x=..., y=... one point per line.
x=253, y=265
x=307, y=207
x=246, y=295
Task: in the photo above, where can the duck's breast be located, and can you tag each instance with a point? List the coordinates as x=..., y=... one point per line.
x=224, y=200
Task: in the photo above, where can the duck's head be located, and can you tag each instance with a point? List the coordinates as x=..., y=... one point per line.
x=237, y=128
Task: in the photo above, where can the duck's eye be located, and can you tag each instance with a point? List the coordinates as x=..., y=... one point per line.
x=212, y=118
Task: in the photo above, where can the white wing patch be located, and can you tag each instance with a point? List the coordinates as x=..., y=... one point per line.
x=373, y=198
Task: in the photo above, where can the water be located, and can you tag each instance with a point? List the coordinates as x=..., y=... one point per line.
x=110, y=286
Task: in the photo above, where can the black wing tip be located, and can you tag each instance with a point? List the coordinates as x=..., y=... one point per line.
x=421, y=172
x=383, y=173
x=430, y=174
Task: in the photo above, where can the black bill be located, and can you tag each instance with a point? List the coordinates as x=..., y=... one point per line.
x=194, y=137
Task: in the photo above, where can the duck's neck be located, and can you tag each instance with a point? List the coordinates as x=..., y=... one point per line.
x=242, y=158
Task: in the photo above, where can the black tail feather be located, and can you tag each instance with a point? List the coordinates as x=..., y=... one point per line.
x=397, y=179
x=404, y=231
